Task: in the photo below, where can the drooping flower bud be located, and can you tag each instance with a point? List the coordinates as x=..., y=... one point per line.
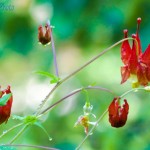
x=117, y=114
x=84, y=121
x=87, y=108
x=44, y=34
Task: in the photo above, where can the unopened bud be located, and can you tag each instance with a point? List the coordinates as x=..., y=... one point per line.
x=87, y=108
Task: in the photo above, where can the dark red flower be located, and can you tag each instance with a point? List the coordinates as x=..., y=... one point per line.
x=44, y=34
x=117, y=114
x=6, y=109
x=136, y=63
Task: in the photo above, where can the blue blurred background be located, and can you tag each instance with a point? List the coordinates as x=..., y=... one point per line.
x=83, y=28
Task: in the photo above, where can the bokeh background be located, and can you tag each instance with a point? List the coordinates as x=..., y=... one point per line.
x=83, y=28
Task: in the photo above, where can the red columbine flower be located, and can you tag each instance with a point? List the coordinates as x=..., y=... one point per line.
x=6, y=109
x=44, y=34
x=117, y=114
x=136, y=63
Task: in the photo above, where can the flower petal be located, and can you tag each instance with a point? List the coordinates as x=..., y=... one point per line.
x=125, y=49
x=145, y=57
x=148, y=73
x=124, y=113
x=133, y=62
x=125, y=73
x=142, y=74
x=6, y=109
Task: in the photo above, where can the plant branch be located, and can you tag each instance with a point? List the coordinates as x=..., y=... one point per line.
x=5, y=132
x=18, y=134
x=46, y=98
x=132, y=90
x=78, y=70
x=94, y=58
x=73, y=93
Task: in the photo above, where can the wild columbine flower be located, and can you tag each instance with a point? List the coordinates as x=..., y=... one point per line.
x=136, y=64
x=44, y=34
x=84, y=120
x=6, y=109
x=117, y=114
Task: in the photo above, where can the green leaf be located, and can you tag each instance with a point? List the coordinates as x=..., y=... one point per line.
x=4, y=99
x=93, y=84
x=54, y=79
x=40, y=125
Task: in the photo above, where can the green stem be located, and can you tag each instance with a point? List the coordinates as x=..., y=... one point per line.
x=5, y=132
x=94, y=58
x=18, y=134
x=132, y=90
x=86, y=96
x=32, y=146
x=54, y=52
x=46, y=98
x=92, y=129
x=78, y=70
x=71, y=94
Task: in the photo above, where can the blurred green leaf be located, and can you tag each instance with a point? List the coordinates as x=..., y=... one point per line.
x=54, y=79
x=4, y=99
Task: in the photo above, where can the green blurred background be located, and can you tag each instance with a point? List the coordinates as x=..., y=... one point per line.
x=83, y=28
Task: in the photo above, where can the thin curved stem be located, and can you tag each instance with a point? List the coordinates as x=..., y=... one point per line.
x=132, y=90
x=71, y=94
x=78, y=70
x=94, y=58
x=32, y=146
x=5, y=132
x=46, y=98
x=92, y=129
x=18, y=134
x=54, y=52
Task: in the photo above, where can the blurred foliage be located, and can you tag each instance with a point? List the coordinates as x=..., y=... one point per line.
x=83, y=28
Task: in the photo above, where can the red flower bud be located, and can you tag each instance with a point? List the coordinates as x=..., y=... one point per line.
x=117, y=114
x=44, y=34
x=6, y=109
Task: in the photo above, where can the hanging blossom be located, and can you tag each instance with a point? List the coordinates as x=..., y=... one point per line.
x=117, y=114
x=136, y=63
x=5, y=110
x=84, y=120
x=44, y=34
